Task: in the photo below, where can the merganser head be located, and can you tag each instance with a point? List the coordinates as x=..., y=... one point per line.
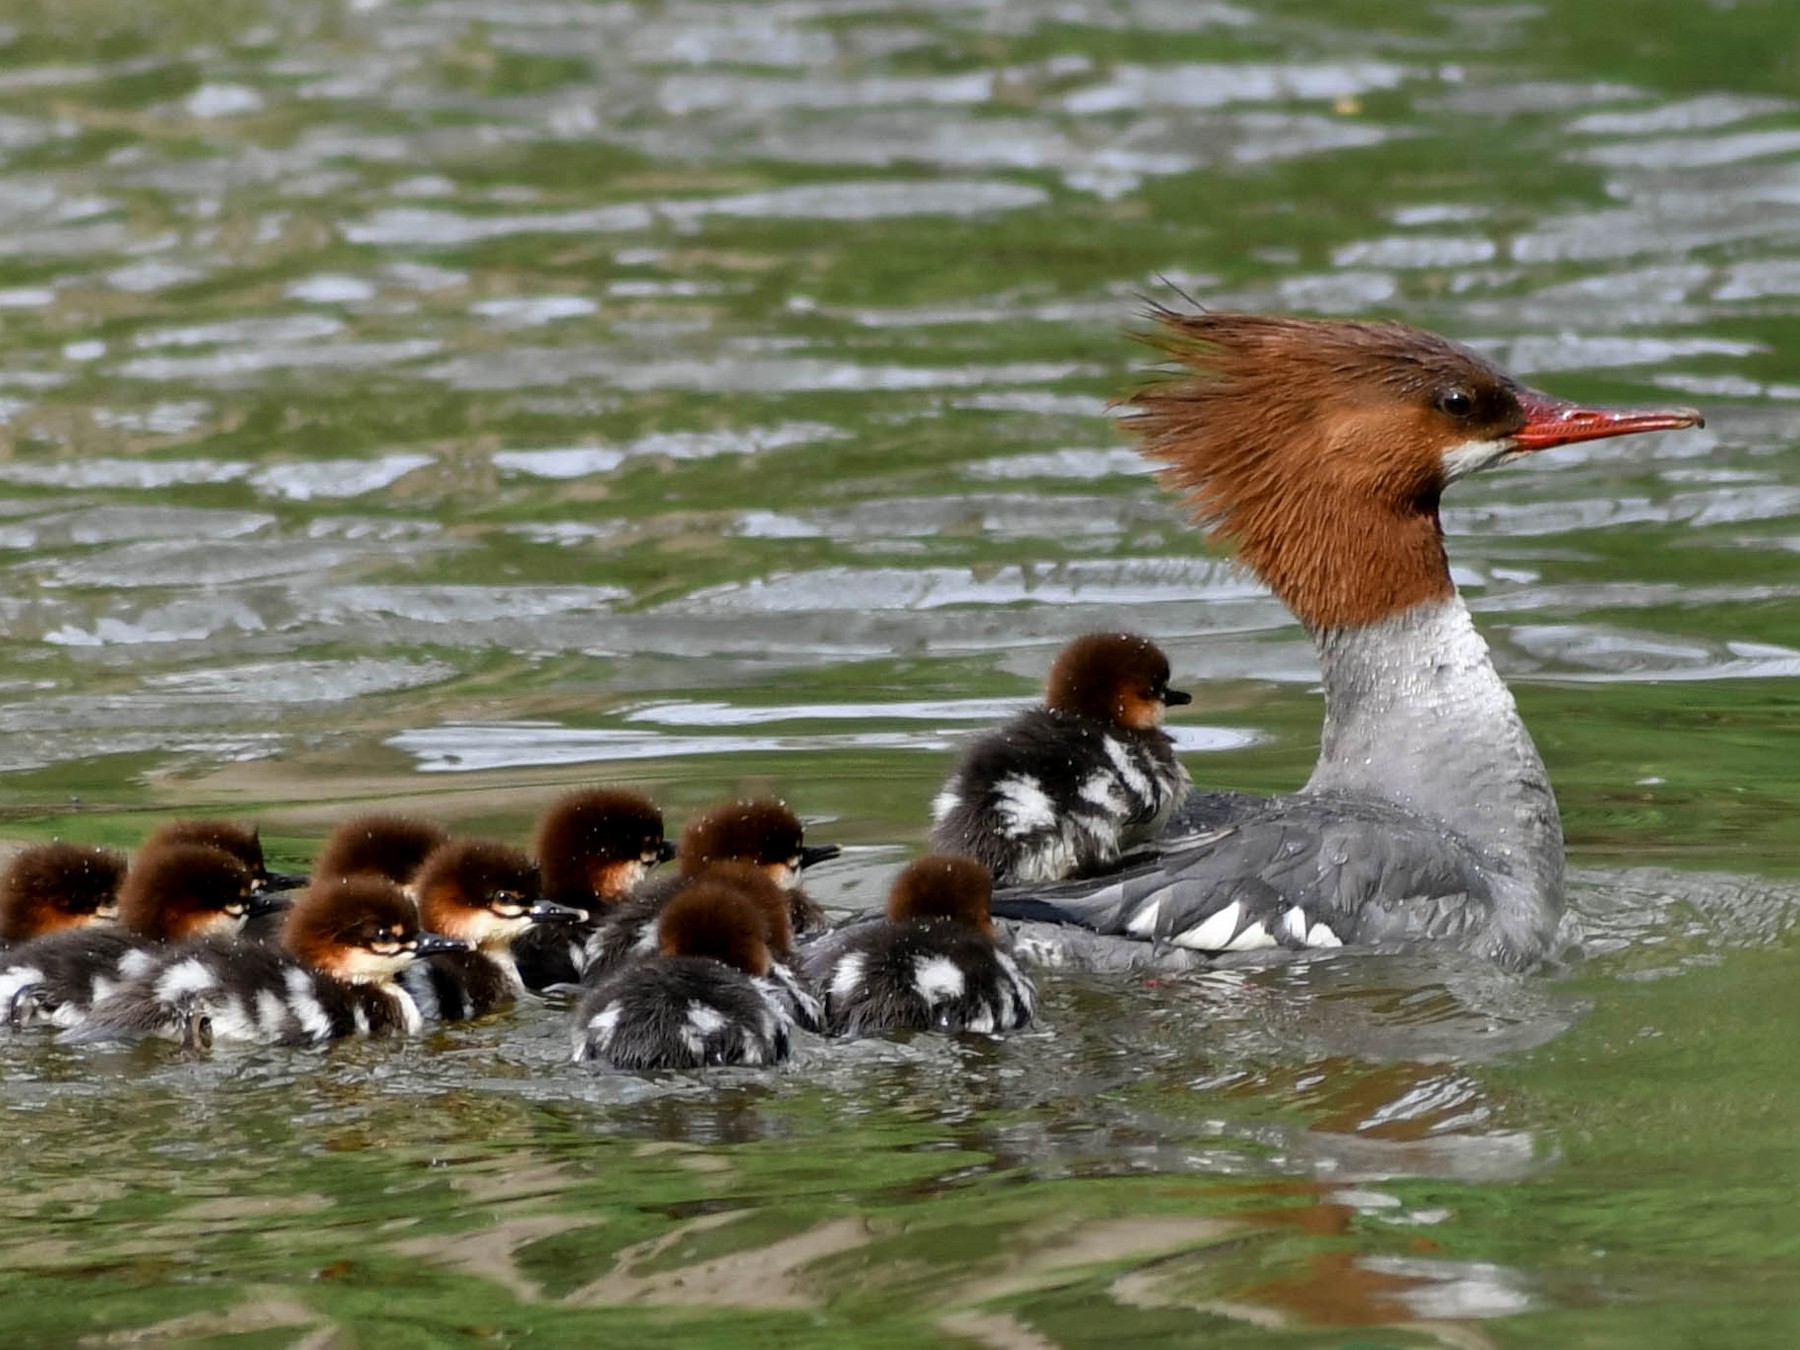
x=595, y=846
x=755, y=885
x=179, y=891
x=942, y=886
x=1113, y=677
x=378, y=845
x=1320, y=448
x=243, y=842
x=484, y=892
x=50, y=887
x=360, y=929
x=718, y=921
x=764, y=832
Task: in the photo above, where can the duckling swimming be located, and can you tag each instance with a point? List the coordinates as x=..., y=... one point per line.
x=48, y=888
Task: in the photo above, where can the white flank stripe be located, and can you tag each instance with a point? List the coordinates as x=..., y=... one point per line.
x=847, y=978
x=1253, y=937
x=15, y=980
x=184, y=978
x=1100, y=789
x=1023, y=805
x=1143, y=923
x=943, y=804
x=304, y=1006
x=1213, y=934
x=602, y=1027
x=411, y=1020
x=359, y=1018
x=982, y=1024
x=231, y=1021
x=135, y=963
x=937, y=979
x=271, y=1012
x=705, y=1021
x=1132, y=776
x=1321, y=936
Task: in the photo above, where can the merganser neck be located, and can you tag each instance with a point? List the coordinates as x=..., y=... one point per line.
x=1416, y=715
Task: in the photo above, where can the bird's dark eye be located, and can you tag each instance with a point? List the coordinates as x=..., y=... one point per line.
x=1456, y=402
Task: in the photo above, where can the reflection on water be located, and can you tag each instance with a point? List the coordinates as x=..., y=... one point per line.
x=714, y=396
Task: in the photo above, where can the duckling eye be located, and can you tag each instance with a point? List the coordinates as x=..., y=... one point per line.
x=1456, y=402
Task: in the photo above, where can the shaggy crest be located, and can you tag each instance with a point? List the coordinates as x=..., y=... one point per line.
x=183, y=890
x=58, y=885
x=394, y=847
x=943, y=887
x=714, y=920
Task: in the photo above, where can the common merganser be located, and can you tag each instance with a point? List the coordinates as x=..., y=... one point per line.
x=1064, y=789
x=932, y=962
x=47, y=888
x=764, y=833
x=1320, y=449
x=333, y=975
x=243, y=842
x=698, y=1002
x=170, y=895
x=379, y=845
x=594, y=848
x=485, y=893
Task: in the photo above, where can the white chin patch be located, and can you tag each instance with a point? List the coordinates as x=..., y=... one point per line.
x=1473, y=456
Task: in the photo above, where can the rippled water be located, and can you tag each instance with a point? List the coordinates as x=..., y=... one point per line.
x=440, y=404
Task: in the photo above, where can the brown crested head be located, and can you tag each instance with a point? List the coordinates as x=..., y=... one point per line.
x=388, y=846
x=49, y=887
x=242, y=842
x=597, y=844
x=1119, y=678
x=1319, y=448
x=718, y=921
x=755, y=885
x=359, y=928
x=480, y=890
x=180, y=891
x=943, y=886
x=764, y=832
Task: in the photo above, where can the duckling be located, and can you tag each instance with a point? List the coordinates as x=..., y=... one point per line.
x=1066, y=789
x=594, y=848
x=697, y=1002
x=333, y=975
x=380, y=845
x=485, y=893
x=47, y=888
x=934, y=963
x=764, y=833
x=171, y=894
x=243, y=842
x=782, y=983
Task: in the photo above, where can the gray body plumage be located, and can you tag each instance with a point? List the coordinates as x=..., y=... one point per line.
x=1428, y=819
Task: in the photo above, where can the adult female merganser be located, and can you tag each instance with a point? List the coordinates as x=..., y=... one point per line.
x=379, y=845
x=763, y=833
x=1063, y=790
x=933, y=962
x=243, y=842
x=333, y=975
x=486, y=894
x=47, y=888
x=594, y=848
x=1320, y=449
x=699, y=1001
x=170, y=895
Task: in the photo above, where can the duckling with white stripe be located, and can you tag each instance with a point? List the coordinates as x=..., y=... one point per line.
x=594, y=848
x=764, y=833
x=700, y=1001
x=1068, y=788
x=932, y=962
x=334, y=975
x=485, y=893
x=172, y=894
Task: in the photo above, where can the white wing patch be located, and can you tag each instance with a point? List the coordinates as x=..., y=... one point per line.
x=184, y=979
x=938, y=979
x=1213, y=933
x=705, y=1020
x=944, y=805
x=847, y=978
x=304, y=1005
x=1023, y=805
